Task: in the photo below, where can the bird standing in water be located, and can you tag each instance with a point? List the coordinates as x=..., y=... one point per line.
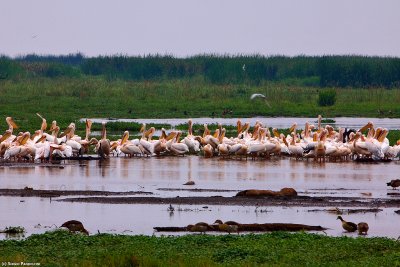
x=394, y=183
x=363, y=228
x=348, y=226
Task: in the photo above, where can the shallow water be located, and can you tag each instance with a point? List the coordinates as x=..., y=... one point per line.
x=41, y=215
x=152, y=174
x=149, y=174
x=274, y=122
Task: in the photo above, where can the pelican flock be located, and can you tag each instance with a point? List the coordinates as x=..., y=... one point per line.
x=259, y=142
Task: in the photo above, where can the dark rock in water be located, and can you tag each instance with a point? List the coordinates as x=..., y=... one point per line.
x=189, y=183
x=268, y=193
x=397, y=211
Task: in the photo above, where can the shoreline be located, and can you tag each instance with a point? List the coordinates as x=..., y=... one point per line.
x=113, y=197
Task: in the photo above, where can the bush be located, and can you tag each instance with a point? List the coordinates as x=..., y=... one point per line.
x=8, y=68
x=327, y=98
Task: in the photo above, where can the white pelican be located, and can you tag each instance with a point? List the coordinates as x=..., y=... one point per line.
x=208, y=151
x=360, y=148
x=295, y=150
x=127, y=147
x=319, y=151
x=241, y=151
x=18, y=149
x=179, y=148
x=223, y=148
x=257, y=147
x=190, y=141
x=86, y=142
x=148, y=146
x=11, y=126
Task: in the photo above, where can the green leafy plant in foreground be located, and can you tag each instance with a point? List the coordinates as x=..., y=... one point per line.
x=60, y=248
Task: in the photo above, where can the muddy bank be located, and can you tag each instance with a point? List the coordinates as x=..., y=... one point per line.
x=30, y=192
x=197, y=190
x=248, y=227
x=300, y=201
x=126, y=197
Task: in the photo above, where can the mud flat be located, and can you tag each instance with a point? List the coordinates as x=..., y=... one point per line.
x=30, y=192
x=299, y=201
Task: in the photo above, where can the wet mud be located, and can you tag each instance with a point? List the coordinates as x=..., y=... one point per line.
x=30, y=192
x=298, y=201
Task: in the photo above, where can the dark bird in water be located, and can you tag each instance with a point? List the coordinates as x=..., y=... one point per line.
x=363, y=228
x=394, y=183
x=171, y=208
x=75, y=226
x=348, y=226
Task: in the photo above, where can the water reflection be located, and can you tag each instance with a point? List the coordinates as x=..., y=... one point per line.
x=40, y=216
x=274, y=122
x=122, y=174
x=149, y=174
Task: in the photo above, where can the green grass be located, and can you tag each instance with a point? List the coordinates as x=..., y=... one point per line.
x=61, y=248
x=69, y=99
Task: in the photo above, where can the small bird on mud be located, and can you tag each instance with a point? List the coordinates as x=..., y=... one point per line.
x=75, y=226
x=348, y=226
x=363, y=228
x=394, y=183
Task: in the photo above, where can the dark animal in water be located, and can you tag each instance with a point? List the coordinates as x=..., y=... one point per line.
x=75, y=226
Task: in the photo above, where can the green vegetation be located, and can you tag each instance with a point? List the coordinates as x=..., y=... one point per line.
x=327, y=98
x=68, y=99
x=67, y=88
x=325, y=71
x=61, y=248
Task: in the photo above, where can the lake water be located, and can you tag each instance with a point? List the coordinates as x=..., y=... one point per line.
x=274, y=122
x=156, y=174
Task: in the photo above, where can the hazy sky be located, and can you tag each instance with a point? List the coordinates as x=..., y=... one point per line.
x=185, y=27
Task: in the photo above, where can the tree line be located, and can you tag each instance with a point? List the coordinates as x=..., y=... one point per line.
x=324, y=71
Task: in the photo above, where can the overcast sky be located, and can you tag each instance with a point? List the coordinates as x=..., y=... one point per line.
x=184, y=27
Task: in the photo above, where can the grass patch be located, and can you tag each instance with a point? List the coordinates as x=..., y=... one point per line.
x=61, y=248
x=67, y=99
